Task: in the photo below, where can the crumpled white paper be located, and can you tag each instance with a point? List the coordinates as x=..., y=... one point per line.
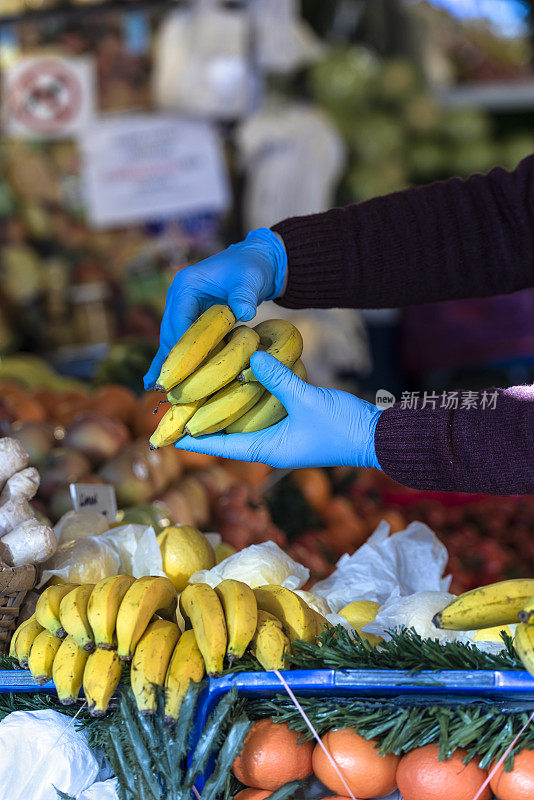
x=467, y=637
x=412, y=611
x=129, y=549
x=38, y=753
x=410, y=561
x=256, y=565
x=102, y=790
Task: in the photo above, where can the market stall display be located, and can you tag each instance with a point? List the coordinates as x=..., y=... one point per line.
x=232, y=632
x=81, y=635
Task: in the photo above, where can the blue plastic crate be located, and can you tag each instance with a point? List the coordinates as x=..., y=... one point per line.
x=514, y=688
x=384, y=682
x=452, y=686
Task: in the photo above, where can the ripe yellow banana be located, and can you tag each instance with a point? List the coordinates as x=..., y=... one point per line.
x=68, y=669
x=224, y=407
x=143, y=599
x=292, y=611
x=527, y=612
x=194, y=346
x=219, y=370
x=524, y=644
x=186, y=665
x=42, y=654
x=269, y=644
x=267, y=411
x=150, y=662
x=485, y=607
x=73, y=616
x=200, y=606
x=171, y=426
x=22, y=640
x=103, y=607
x=100, y=679
x=47, y=609
x=241, y=612
x=172, y=396
x=281, y=339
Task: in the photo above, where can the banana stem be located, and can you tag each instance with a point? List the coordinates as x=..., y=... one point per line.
x=158, y=405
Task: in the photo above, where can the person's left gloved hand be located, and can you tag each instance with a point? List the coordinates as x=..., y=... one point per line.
x=323, y=428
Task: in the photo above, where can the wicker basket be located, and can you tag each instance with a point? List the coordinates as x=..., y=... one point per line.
x=14, y=585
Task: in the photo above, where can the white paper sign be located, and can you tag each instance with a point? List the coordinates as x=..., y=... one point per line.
x=48, y=97
x=142, y=168
x=94, y=497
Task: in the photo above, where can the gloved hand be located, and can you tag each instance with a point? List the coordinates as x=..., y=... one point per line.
x=242, y=276
x=324, y=427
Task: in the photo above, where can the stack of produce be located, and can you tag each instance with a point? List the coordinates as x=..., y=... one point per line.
x=23, y=538
x=396, y=133
x=210, y=385
x=73, y=434
x=80, y=634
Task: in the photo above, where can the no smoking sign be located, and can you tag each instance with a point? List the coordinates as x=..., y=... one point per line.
x=48, y=97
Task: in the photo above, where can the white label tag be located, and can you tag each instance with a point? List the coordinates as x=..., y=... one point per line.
x=48, y=97
x=94, y=497
x=143, y=168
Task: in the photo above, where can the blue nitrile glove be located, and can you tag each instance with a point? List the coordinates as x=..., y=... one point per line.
x=241, y=276
x=324, y=427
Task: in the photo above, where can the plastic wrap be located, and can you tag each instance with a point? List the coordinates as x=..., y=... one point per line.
x=40, y=750
x=76, y=525
x=129, y=549
x=256, y=565
x=387, y=566
x=413, y=611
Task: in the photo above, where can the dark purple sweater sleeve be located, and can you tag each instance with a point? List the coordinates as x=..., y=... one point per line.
x=449, y=240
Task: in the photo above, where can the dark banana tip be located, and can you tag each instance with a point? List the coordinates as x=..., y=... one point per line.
x=524, y=616
x=436, y=619
x=159, y=388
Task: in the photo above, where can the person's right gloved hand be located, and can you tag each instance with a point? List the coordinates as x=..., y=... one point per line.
x=242, y=276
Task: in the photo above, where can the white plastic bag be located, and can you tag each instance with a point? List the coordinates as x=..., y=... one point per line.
x=76, y=525
x=129, y=549
x=40, y=750
x=256, y=565
x=87, y=560
x=138, y=550
x=102, y=790
x=410, y=561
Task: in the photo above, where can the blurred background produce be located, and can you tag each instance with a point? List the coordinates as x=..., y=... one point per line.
x=302, y=108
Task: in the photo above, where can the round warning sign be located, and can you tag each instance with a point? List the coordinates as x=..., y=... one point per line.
x=47, y=97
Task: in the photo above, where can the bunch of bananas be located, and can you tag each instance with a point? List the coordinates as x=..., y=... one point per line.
x=497, y=605
x=208, y=380
x=232, y=618
x=79, y=635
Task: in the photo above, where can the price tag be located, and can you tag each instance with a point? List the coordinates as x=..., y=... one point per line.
x=94, y=497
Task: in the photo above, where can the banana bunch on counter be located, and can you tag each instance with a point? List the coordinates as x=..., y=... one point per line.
x=81, y=635
x=498, y=604
x=208, y=380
